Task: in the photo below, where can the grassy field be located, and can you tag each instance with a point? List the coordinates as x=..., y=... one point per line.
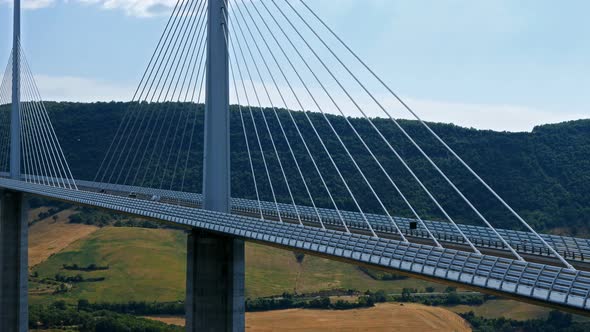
x=509, y=309
x=149, y=265
x=504, y=308
x=50, y=236
x=382, y=318
x=144, y=265
x=271, y=271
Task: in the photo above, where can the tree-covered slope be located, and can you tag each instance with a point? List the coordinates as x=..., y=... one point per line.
x=544, y=174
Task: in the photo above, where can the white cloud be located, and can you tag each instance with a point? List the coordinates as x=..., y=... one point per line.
x=140, y=8
x=36, y=4
x=495, y=117
x=70, y=88
x=499, y=117
x=32, y=4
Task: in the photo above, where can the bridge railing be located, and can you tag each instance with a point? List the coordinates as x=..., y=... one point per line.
x=542, y=283
x=573, y=248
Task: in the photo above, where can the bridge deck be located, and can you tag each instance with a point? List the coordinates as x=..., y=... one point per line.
x=531, y=282
x=526, y=243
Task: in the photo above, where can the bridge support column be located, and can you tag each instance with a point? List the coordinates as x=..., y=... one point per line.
x=214, y=283
x=13, y=262
x=215, y=267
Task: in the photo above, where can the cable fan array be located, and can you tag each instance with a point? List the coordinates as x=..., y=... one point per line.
x=157, y=143
x=315, y=131
x=42, y=158
x=281, y=51
x=5, y=108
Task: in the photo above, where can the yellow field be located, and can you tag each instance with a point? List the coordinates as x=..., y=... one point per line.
x=382, y=318
x=48, y=236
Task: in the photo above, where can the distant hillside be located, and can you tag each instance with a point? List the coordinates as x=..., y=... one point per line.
x=544, y=174
x=149, y=265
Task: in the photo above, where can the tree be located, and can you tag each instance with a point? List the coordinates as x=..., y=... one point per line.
x=559, y=320
x=453, y=298
x=299, y=256
x=406, y=294
x=450, y=289
x=83, y=304
x=60, y=305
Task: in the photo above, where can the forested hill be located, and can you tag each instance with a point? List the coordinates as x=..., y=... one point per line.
x=544, y=174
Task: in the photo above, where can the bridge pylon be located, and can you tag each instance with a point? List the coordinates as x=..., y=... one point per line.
x=13, y=215
x=215, y=263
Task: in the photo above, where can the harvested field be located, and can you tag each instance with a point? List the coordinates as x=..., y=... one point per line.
x=50, y=236
x=383, y=317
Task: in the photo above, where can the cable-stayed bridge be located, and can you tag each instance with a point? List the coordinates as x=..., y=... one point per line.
x=365, y=194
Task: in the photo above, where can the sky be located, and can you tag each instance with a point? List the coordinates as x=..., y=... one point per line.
x=489, y=64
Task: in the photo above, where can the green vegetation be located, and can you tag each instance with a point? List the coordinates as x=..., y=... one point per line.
x=556, y=321
x=381, y=275
x=145, y=276
x=498, y=308
x=48, y=208
x=91, y=267
x=289, y=301
x=46, y=214
x=149, y=265
x=364, y=300
x=135, y=308
x=37, y=201
x=63, y=317
x=449, y=298
x=144, y=265
x=77, y=278
x=272, y=272
x=543, y=174
x=285, y=301
x=89, y=216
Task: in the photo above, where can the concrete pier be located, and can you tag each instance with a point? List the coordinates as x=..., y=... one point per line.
x=215, y=283
x=215, y=264
x=13, y=262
